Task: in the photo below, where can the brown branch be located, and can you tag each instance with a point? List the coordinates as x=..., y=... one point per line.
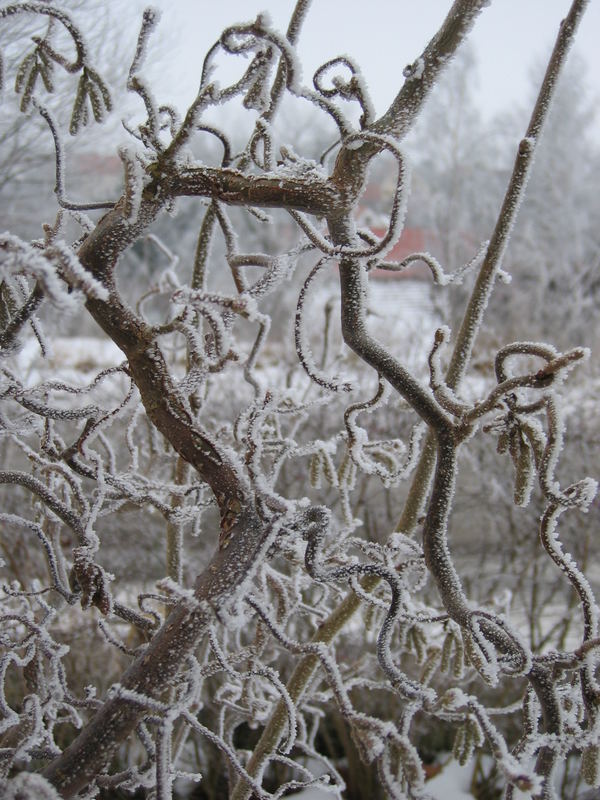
x=422, y=75
x=245, y=531
x=93, y=749
x=293, y=31
x=314, y=196
x=248, y=533
x=38, y=488
x=486, y=278
x=348, y=178
x=512, y=199
x=356, y=336
x=156, y=667
x=22, y=316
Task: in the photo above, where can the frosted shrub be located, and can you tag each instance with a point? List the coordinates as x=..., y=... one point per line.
x=291, y=614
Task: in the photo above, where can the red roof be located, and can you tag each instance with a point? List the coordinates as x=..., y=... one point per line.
x=99, y=163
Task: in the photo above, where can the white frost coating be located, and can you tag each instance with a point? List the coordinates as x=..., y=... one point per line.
x=415, y=70
x=400, y=199
x=552, y=543
x=17, y=258
x=75, y=272
x=296, y=166
x=279, y=427
x=137, y=698
x=402, y=545
x=176, y=590
x=151, y=18
x=257, y=34
x=264, y=19
x=28, y=786
x=365, y=97
x=420, y=68
x=351, y=89
x=294, y=65
x=302, y=339
x=135, y=180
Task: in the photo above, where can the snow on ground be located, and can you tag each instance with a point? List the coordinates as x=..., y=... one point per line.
x=452, y=783
x=67, y=357
x=312, y=794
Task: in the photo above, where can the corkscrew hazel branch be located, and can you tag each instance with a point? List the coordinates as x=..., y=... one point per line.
x=150, y=130
x=50, y=11
x=48, y=547
x=546, y=450
x=557, y=364
x=270, y=500
x=440, y=277
x=59, y=161
x=395, y=118
x=209, y=94
x=488, y=638
x=270, y=675
x=300, y=337
x=565, y=562
x=443, y=394
x=41, y=490
x=353, y=89
x=380, y=458
x=318, y=520
x=372, y=735
x=227, y=750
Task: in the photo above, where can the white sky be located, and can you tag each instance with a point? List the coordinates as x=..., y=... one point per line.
x=383, y=36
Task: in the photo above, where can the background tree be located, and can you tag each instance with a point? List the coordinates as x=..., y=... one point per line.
x=237, y=650
x=26, y=150
x=566, y=260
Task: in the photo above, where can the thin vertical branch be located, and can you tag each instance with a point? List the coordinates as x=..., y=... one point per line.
x=481, y=293
x=175, y=529
x=512, y=199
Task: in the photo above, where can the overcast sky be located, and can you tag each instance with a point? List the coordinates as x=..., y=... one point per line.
x=383, y=36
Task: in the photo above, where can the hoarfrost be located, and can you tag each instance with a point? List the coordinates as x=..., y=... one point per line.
x=29, y=786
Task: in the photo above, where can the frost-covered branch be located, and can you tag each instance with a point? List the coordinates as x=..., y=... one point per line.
x=269, y=496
